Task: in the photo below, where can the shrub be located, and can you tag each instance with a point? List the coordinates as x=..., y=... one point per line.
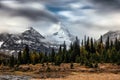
x=71, y=66
x=48, y=69
x=43, y=65
x=96, y=65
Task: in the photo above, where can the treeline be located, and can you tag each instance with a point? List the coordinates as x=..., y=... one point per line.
x=89, y=53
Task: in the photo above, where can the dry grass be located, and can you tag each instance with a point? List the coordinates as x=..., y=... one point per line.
x=63, y=72
x=89, y=76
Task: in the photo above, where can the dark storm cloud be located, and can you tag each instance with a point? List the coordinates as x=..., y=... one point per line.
x=52, y=2
x=3, y=7
x=32, y=14
x=36, y=15
x=108, y=5
x=27, y=1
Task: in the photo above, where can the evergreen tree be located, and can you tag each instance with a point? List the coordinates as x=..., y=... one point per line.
x=26, y=55
x=60, y=50
x=107, y=43
x=111, y=44
x=19, y=58
x=52, y=58
x=85, y=42
x=71, y=48
x=12, y=61
x=82, y=44
x=100, y=46
x=116, y=44
x=88, y=45
x=76, y=50
x=64, y=54
x=92, y=46
x=64, y=47
x=101, y=40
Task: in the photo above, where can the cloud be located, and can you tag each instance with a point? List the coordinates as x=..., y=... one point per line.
x=109, y=6
x=32, y=11
x=20, y=14
x=81, y=17
x=89, y=19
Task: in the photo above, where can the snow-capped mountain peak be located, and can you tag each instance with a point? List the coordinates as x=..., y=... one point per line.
x=61, y=35
x=32, y=32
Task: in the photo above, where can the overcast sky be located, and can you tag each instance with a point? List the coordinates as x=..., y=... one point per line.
x=81, y=17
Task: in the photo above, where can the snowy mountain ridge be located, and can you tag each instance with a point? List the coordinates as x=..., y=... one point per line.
x=112, y=35
x=35, y=40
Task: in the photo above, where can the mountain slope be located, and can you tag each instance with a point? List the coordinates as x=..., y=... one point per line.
x=17, y=41
x=112, y=35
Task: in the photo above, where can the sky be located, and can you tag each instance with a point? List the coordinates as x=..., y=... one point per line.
x=82, y=17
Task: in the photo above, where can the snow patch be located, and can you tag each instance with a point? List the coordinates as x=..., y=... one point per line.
x=1, y=43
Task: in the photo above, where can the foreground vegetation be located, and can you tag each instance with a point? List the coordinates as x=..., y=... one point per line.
x=64, y=71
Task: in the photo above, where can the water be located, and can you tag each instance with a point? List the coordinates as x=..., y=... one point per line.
x=14, y=77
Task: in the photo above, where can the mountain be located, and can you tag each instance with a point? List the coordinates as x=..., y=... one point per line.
x=112, y=35
x=12, y=43
x=61, y=35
